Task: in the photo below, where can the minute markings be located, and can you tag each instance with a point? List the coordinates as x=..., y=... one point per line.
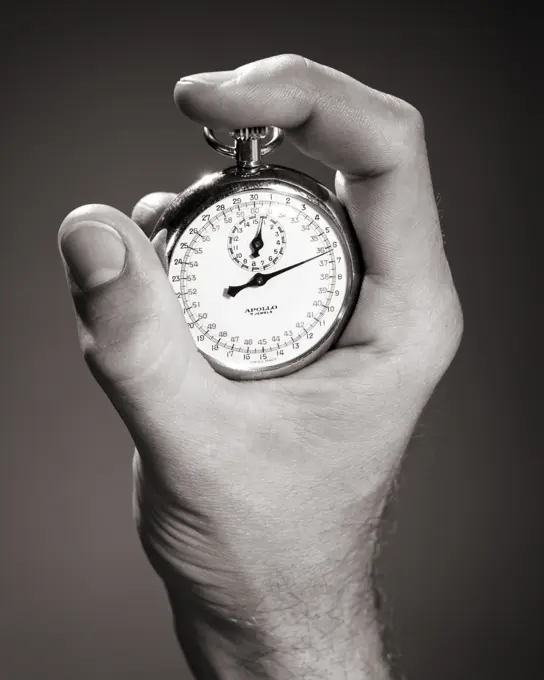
x=195, y=254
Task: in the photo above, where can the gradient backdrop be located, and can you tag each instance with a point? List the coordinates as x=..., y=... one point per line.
x=87, y=116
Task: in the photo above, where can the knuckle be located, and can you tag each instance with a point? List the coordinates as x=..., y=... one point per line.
x=424, y=329
x=409, y=115
x=404, y=126
x=125, y=355
x=293, y=63
x=286, y=68
x=149, y=208
x=126, y=335
x=437, y=337
x=453, y=329
x=149, y=201
x=410, y=129
x=414, y=125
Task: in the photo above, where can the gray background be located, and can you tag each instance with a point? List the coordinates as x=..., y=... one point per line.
x=87, y=116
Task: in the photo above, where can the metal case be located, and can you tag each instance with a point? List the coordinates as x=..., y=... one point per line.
x=212, y=188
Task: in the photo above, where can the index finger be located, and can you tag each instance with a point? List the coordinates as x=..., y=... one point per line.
x=374, y=140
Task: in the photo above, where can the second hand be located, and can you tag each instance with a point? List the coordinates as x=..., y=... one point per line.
x=260, y=279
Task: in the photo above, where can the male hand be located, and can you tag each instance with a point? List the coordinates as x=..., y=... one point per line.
x=257, y=502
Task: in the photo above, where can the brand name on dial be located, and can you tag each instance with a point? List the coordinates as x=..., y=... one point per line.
x=256, y=311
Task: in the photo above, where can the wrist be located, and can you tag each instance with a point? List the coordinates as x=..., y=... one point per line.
x=350, y=651
x=326, y=628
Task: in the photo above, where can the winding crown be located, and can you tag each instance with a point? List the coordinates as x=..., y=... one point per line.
x=250, y=133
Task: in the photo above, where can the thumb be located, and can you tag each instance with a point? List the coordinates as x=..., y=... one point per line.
x=130, y=323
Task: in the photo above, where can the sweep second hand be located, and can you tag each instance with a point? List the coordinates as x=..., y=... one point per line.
x=260, y=279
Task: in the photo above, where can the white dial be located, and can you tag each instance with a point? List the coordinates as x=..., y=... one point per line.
x=274, y=296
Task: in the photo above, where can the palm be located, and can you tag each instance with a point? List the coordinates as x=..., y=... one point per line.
x=251, y=494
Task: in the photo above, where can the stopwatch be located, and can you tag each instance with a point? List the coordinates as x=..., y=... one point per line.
x=263, y=259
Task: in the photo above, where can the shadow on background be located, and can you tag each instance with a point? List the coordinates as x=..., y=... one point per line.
x=87, y=116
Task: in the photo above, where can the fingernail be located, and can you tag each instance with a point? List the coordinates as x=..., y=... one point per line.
x=215, y=78
x=94, y=253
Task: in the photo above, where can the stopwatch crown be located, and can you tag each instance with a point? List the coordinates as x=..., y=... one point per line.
x=250, y=133
x=250, y=144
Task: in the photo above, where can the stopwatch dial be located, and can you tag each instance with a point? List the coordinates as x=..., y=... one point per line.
x=257, y=241
x=248, y=318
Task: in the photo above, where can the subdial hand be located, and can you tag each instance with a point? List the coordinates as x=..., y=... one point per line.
x=261, y=279
x=257, y=242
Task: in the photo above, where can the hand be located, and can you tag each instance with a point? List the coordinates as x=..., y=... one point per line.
x=257, y=241
x=257, y=502
x=260, y=279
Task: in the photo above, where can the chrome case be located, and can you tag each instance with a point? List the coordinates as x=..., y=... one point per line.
x=212, y=188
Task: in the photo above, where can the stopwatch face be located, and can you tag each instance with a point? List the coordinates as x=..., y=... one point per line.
x=262, y=277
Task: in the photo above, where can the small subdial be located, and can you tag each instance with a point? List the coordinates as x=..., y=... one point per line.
x=257, y=243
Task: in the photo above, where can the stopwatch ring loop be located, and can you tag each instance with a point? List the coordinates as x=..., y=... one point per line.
x=265, y=147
